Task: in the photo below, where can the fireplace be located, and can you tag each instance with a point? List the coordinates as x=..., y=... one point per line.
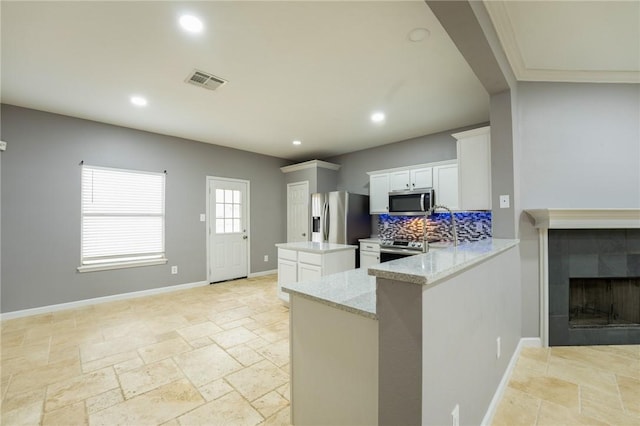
x=589, y=269
x=604, y=302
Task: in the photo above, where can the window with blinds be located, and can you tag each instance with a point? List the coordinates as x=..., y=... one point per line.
x=122, y=218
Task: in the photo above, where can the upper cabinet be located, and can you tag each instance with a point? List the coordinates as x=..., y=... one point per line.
x=445, y=185
x=411, y=179
x=379, y=193
x=474, y=169
x=462, y=184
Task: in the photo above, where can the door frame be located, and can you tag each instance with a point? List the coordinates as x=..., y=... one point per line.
x=209, y=220
x=289, y=185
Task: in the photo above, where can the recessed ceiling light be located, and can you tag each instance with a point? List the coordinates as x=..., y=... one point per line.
x=377, y=117
x=418, y=34
x=297, y=142
x=138, y=101
x=191, y=23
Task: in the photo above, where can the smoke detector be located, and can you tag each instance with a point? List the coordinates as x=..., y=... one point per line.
x=204, y=79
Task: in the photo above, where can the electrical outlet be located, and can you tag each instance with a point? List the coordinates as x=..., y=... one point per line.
x=504, y=202
x=203, y=217
x=174, y=270
x=479, y=227
x=455, y=416
x=3, y=146
x=266, y=257
x=498, y=348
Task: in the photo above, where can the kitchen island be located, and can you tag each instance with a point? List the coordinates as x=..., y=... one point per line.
x=406, y=341
x=306, y=260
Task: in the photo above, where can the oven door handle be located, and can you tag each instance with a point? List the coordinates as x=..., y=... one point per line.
x=406, y=252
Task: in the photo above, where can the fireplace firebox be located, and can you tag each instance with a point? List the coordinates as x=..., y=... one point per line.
x=604, y=302
x=594, y=286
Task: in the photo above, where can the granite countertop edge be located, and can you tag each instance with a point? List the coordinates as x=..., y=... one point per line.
x=351, y=291
x=344, y=306
x=420, y=278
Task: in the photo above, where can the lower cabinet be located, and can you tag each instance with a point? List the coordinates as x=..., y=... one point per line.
x=295, y=266
x=369, y=254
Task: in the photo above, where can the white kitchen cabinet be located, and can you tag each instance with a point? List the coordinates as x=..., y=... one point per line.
x=410, y=179
x=308, y=272
x=445, y=185
x=379, y=193
x=474, y=169
x=369, y=254
x=296, y=263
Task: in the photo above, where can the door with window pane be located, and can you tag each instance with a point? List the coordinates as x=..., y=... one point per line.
x=227, y=233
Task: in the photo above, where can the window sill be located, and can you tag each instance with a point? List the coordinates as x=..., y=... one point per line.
x=121, y=265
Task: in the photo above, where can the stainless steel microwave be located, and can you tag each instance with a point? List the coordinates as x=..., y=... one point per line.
x=411, y=203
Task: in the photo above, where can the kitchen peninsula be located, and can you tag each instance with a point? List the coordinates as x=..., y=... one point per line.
x=402, y=342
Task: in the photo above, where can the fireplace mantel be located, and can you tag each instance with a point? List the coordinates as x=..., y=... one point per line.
x=559, y=218
x=585, y=218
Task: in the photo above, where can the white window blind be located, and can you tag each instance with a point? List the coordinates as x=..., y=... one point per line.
x=122, y=216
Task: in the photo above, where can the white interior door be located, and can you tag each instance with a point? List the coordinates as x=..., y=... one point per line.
x=228, y=236
x=298, y=215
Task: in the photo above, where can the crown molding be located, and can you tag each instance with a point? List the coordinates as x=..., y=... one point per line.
x=313, y=164
x=503, y=25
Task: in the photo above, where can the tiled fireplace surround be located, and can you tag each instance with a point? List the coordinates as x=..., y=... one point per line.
x=591, y=253
x=592, y=244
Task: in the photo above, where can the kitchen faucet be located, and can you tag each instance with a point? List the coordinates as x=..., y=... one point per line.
x=453, y=226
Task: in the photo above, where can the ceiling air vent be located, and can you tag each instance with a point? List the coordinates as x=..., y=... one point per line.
x=204, y=79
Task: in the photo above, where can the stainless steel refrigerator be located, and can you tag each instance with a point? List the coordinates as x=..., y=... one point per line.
x=339, y=217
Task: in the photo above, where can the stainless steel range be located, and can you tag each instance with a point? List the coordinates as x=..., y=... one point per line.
x=397, y=249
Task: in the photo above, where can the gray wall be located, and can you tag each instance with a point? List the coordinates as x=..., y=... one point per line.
x=41, y=205
x=353, y=176
x=579, y=148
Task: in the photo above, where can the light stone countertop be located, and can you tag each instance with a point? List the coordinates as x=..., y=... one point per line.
x=433, y=267
x=374, y=240
x=352, y=291
x=312, y=247
x=355, y=290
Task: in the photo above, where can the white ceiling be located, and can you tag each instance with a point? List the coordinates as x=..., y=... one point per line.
x=571, y=41
x=313, y=71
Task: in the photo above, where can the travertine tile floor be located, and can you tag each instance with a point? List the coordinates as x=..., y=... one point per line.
x=211, y=355
x=220, y=355
x=579, y=385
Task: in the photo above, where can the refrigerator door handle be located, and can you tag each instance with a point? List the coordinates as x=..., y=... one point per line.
x=326, y=222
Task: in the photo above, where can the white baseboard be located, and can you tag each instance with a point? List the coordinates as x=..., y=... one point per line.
x=525, y=342
x=263, y=273
x=97, y=300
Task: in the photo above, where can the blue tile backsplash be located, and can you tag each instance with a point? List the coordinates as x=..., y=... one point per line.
x=471, y=226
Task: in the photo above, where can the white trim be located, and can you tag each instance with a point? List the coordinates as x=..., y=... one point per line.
x=525, y=342
x=262, y=273
x=585, y=218
x=544, y=285
x=121, y=265
x=480, y=131
x=99, y=300
x=310, y=165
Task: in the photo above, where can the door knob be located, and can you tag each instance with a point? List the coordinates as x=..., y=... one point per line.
x=244, y=237
x=304, y=234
